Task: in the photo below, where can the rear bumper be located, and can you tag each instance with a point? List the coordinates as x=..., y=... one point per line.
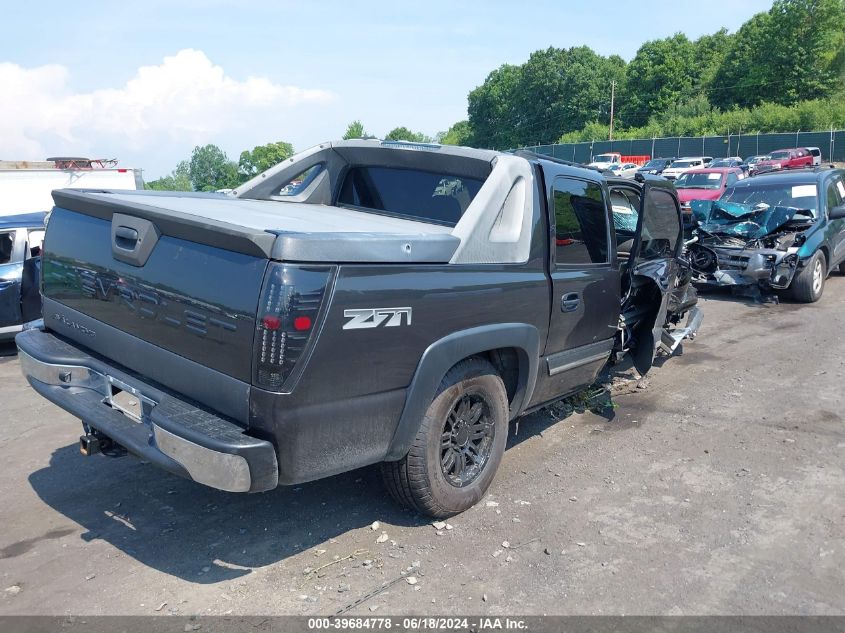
x=167, y=431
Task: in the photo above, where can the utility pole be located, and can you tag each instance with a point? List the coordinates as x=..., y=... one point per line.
x=612, y=99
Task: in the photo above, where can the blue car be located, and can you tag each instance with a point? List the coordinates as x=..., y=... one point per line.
x=777, y=231
x=20, y=249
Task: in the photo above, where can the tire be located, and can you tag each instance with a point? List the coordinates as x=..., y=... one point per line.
x=808, y=285
x=842, y=268
x=421, y=480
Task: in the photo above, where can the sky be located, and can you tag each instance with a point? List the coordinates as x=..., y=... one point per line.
x=145, y=82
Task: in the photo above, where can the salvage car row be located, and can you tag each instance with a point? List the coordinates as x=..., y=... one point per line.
x=389, y=302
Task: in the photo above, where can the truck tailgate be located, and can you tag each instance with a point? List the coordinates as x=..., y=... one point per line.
x=197, y=300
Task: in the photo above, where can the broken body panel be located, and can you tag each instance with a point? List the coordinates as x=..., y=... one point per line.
x=748, y=245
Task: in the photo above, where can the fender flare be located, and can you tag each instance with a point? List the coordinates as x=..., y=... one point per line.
x=444, y=353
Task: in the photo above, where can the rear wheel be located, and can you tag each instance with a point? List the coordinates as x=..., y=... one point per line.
x=808, y=285
x=460, y=443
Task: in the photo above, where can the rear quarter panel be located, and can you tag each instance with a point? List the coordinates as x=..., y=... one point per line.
x=345, y=409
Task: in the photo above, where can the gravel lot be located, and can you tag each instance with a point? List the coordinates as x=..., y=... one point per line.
x=718, y=488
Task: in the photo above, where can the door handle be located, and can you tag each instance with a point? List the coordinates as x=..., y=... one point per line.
x=125, y=238
x=570, y=302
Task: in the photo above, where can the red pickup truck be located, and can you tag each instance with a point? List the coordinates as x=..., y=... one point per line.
x=794, y=158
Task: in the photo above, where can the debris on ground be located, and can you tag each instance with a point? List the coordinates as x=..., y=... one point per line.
x=439, y=525
x=375, y=526
x=382, y=537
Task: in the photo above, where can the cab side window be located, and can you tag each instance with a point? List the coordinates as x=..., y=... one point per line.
x=580, y=218
x=7, y=244
x=835, y=193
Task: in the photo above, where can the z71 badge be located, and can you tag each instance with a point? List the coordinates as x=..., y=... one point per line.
x=364, y=318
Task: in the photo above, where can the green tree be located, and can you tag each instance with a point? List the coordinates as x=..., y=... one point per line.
x=793, y=52
x=404, y=134
x=459, y=134
x=355, y=130
x=555, y=91
x=710, y=53
x=492, y=108
x=210, y=169
x=262, y=158
x=689, y=119
x=661, y=73
x=178, y=180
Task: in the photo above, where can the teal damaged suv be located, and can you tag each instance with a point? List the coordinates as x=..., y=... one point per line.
x=775, y=231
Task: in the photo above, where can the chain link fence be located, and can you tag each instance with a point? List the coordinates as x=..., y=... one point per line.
x=831, y=143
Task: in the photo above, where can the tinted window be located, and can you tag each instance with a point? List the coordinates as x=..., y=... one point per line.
x=732, y=179
x=834, y=193
x=7, y=241
x=661, y=226
x=420, y=195
x=300, y=182
x=580, y=222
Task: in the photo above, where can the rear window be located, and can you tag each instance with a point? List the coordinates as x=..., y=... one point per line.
x=420, y=195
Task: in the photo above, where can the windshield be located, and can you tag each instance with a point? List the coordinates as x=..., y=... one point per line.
x=779, y=155
x=699, y=181
x=654, y=164
x=604, y=158
x=686, y=163
x=757, y=159
x=723, y=162
x=798, y=196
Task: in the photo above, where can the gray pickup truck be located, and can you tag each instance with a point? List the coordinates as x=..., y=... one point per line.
x=362, y=302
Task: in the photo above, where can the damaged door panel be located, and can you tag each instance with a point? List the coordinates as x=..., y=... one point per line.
x=656, y=290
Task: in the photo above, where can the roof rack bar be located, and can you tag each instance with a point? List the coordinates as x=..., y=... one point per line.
x=524, y=153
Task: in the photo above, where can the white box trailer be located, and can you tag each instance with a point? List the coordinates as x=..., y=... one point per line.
x=27, y=186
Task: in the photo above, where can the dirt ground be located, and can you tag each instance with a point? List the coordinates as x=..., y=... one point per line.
x=718, y=488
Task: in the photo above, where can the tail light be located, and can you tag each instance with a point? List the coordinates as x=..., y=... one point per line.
x=288, y=314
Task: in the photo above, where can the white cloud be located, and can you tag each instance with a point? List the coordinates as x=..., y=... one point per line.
x=181, y=102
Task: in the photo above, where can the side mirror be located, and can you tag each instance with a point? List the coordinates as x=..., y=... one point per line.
x=836, y=213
